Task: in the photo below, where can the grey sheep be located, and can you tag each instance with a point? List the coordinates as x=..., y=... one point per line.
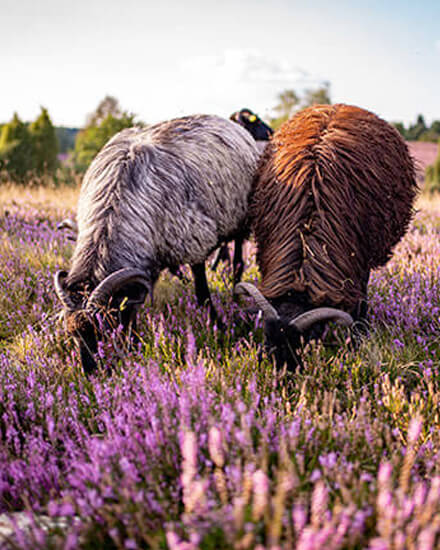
x=152, y=199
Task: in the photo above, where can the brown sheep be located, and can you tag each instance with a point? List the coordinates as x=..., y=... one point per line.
x=334, y=195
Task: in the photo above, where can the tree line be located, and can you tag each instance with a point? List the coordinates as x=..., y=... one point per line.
x=419, y=131
x=31, y=149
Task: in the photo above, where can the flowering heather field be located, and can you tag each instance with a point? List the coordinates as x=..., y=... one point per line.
x=189, y=442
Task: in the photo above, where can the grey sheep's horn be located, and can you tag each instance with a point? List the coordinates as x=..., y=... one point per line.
x=270, y=313
x=113, y=282
x=68, y=224
x=309, y=318
x=62, y=294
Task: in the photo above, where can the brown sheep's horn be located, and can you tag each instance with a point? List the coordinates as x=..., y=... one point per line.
x=270, y=313
x=113, y=283
x=63, y=295
x=309, y=318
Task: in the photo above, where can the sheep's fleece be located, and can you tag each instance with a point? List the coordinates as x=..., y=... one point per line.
x=163, y=196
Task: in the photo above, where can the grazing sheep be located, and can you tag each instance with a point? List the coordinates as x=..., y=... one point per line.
x=334, y=195
x=259, y=130
x=262, y=133
x=152, y=199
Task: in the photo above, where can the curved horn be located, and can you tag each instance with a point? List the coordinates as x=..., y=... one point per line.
x=268, y=310
x=62, y=294
x=307, y=319
x=113, y=282
x=68, y=224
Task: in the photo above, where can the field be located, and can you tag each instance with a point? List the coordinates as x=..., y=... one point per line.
x=189, y=441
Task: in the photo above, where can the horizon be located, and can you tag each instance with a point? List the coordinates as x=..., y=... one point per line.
x=172, y=60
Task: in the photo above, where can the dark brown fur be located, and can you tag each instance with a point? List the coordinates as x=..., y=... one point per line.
x=334, y=196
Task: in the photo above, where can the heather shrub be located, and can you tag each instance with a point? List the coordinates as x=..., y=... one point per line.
x=193, y=440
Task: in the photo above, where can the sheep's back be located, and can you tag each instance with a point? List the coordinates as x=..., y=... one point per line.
x=164, y=195
x=334, y=196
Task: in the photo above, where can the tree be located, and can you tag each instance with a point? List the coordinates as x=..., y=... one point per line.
x=108, y=106
x=416, y=130
x=290, y=101
x=319, y=96
x=90, y=140
x=16, y=149
x=45, y=144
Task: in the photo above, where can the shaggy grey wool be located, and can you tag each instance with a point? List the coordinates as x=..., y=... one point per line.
x=163, y=196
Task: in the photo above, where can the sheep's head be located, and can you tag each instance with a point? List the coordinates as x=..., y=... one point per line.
x=253, y=124
x=115, y=301
x=291, y=323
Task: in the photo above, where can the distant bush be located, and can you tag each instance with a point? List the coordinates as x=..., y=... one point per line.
x=16, y=153
x=419, y=131
x=90, y=140
x=28, y=150
x=433, y=174
x=44, y=144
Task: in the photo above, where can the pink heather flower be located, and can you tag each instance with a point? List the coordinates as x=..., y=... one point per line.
x=299, y=516
x=426, y=539
x=384, y=473
x=215, y=446
x=191, y=348
x=189, y=466
x=260, y=483
x=414, y=430
x=189, y=450
x=319, y=502
x=307, y=540
x=101, y=351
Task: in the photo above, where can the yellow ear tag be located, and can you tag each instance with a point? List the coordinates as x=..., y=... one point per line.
x=252, y=118
x=123, y=304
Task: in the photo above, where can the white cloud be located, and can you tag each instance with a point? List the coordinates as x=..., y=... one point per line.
x=248, y=65
x=241, y=77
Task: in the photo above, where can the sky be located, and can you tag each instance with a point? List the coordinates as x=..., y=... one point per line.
x=167, y=58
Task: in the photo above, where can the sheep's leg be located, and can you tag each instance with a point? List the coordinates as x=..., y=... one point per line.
x=202, y=292
x=238, y=259
x=363, y=303
x=221, y=255
x=201, y=284
x=360, y=328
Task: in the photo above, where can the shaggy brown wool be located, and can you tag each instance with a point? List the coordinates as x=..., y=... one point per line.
x=334, y=196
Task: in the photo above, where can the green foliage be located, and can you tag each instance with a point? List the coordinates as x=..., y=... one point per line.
x=289, y=102
x=90, y=140
x=28, y=150
x=433, y=174
x=318, y=96
x=104, y=123
x=45, y=144
x=419, y=131
x=66, y=138
x=16, y=149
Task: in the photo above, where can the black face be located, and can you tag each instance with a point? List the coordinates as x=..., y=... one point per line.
x=93, y=330
x=259, y=130
x=90, y=328
x=283, y=342
x=282, y=339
